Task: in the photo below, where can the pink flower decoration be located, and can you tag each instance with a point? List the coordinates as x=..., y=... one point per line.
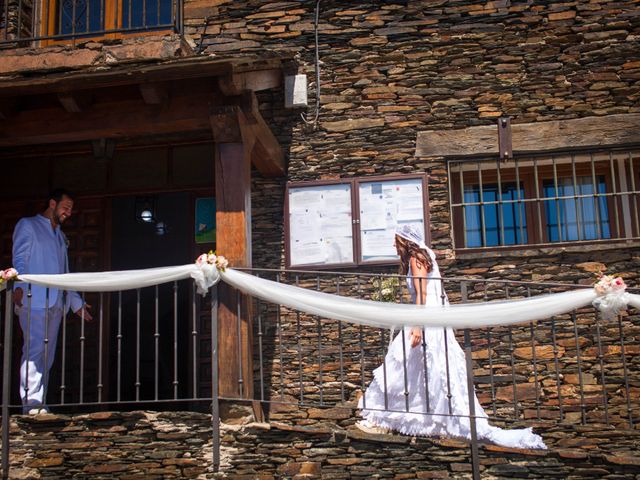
x=608, y=283
x=212, y=259
x=222, y=262
x=8, y=274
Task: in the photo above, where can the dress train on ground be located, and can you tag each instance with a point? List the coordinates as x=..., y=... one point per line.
x=412, y=389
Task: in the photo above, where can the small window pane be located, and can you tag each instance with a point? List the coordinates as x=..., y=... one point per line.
x=80, y=16
x=577, y=214
x=503, y=216
x=146, y=13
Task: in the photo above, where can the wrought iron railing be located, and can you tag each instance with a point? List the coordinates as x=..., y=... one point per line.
x=573, y=367
x=36, y=23
x=156, y=347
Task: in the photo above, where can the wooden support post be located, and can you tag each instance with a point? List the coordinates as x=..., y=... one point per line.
x=233, y=240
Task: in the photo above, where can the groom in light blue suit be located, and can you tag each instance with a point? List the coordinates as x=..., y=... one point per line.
x=39, y=246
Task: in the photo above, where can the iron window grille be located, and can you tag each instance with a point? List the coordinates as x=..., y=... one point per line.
x=545, y=199
x=23, y=22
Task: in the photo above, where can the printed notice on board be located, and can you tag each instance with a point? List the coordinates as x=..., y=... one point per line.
x=320, y=225
x=383, y=206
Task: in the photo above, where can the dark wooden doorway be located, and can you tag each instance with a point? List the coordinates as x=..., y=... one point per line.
x=136, y=245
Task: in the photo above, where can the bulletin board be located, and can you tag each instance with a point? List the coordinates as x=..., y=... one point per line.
x=383, y=206
x=351, y=222
x=320, y=222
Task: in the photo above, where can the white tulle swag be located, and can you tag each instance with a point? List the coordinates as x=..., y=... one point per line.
x=609, y=296
x=206, y=275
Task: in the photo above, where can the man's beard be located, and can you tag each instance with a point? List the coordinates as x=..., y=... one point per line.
x=58, y=218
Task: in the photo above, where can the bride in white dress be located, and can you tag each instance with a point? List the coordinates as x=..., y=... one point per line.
x=409, y=391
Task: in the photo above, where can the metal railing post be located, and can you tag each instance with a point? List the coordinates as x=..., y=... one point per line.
x=180, y=16
x=475, y=460
x=6, y=377
x=215, y=407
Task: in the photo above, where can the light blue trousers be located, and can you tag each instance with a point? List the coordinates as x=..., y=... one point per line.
x=40, y=332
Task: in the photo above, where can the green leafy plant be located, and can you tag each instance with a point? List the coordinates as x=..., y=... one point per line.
x=385, y=289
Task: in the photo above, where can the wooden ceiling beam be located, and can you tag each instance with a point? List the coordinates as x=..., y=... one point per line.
x=176, y=70
x=75, y=102
x=117, y=119
x=8, y=108
x=255, y=81
x=154, y=93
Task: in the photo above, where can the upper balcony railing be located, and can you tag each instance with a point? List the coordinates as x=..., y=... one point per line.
x=36, y=23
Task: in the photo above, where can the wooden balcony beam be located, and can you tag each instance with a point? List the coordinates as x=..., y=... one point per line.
x=154, y=93
x=8, y=108
x=174, y=71
x=116, y=119
x=75, y=102
x=254, y=81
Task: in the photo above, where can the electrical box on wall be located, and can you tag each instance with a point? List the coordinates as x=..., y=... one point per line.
x=295, y=91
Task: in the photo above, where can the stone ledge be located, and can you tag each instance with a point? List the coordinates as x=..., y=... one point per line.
x=557, y=135
x=535, y=251
x=92, y=54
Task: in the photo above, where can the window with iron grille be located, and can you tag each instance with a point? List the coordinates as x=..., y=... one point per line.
x=537, y=200
x=81, y=17
x=53, y=21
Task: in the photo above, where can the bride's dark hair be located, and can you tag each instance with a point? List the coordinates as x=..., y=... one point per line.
x=406, y=250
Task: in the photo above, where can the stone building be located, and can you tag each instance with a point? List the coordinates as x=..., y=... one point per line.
x=160, y=104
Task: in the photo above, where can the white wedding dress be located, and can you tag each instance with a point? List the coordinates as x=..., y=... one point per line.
x=431, y=418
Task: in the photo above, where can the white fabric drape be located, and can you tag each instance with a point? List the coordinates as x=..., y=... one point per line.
x=364, y=312
x=381, y=314
x=111, y=281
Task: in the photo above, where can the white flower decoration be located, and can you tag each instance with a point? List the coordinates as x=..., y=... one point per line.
x=612, y=296
x=208, y=272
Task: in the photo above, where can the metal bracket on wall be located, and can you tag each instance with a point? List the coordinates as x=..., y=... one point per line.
x=504, y=138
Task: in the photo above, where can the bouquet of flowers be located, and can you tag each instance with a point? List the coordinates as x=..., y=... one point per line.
x=211, y=258
x=612, y=297
x=609, y=284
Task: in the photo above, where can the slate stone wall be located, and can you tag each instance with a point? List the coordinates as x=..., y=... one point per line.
x=390, y=69
x=150, y=445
